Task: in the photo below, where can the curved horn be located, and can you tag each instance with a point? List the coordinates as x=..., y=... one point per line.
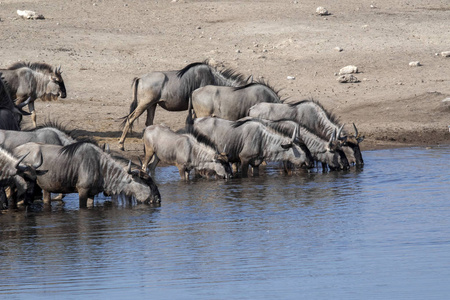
x=106, y=148
x=338, y=135
x=356, y=130
x=24, y=103
x=294, y=134
x=17, y=166
x=333, y=136
x=140, y=162
x=129, y=167
x=39, y=162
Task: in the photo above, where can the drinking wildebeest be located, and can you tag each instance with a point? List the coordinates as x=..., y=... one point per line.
x=231, y=103
x=251, y=143
x=313, y=116
x=183, y=150
x=87, y=170
x=34, y=81
x=18, y=176
x=327, y=152
x=171, y=90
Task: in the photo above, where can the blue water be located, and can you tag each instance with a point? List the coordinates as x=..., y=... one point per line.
x=378, y=233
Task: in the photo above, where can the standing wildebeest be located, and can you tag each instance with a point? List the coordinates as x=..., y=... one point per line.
x=313, y=116
x=183, y=150
x=34, y=81
x=171, y=90
x=327, y=152
x=87, y=170
x=19, y=177
x=231, y=103
x=251, y=143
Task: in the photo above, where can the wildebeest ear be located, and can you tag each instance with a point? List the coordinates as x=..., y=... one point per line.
x=286, y=146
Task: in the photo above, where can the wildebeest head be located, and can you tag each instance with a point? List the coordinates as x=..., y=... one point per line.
x=143, y=178
x=334, y=155
x=351, y=148
x=300, y=149
x=28, y=174
x=56, y=87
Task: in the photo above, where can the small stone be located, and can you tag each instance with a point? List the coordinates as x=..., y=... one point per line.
x=238, y=51
x=415, y=64
x=338, y=49
x=347, y=78
x=445, y=53
x=291, y=78
x=322, y=11
x=350, y=69
x=446, y=100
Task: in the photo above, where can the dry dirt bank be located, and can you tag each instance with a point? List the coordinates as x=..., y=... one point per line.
x=101, y=45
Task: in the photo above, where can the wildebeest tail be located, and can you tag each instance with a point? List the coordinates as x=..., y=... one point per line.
x=134, y=102
x=189, y=120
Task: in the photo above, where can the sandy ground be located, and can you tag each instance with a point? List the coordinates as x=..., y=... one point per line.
x=102, y=45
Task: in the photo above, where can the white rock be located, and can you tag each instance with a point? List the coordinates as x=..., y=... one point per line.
x=415, y=64
x=291, y=78
x=348, y=70
x=445, y=54
x=338, y=49
x=446, y=100
x=322, y=11
x=29, y=14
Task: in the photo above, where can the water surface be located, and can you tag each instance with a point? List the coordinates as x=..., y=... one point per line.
x=378, y=233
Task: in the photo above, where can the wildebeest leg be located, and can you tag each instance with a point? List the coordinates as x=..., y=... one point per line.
x=3, y=202
x=184, y=173
x=90, y=202
x=83, y=198
x=59, y=197
x=47, y=198
x=255, y=170
x=235, y=168
x=244, y=167
x=33, y=113
x=154, y=163
x=148, y=154
x=128, y=122
x=150, y=115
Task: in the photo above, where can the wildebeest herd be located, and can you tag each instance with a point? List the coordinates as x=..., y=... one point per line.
x=233, y=126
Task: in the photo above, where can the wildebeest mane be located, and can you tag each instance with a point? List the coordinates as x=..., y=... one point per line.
x=39, y=67
x=183, y=71
x=200, y=137
x=259, y=82
x=329, y=114
x=228, y=73
x=57, y=125
x=71, y=149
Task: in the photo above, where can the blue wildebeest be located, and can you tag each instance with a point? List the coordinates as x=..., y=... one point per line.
x=19, y=177
x=171, y=90
x=10, y=114
x=87, y=170
x=184, y=150
x=313, y=116
x=34, y=81
x=48, y=133
x=231, y=103
x=327, y=152
x=251, y=143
